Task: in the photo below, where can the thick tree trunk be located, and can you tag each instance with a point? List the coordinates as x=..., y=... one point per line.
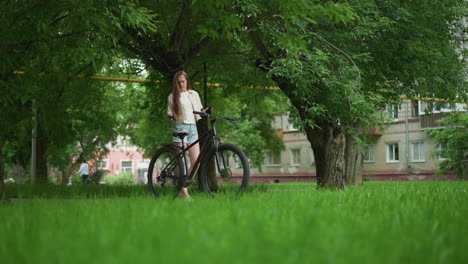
x=2, y=176
x=327, y=141
x=328, y=144
x=41, y=158
x=206, y=144
x=353, y=162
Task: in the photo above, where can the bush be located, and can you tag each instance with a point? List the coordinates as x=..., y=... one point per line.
x=454, y=138
x=125, y=178
x=76, y=179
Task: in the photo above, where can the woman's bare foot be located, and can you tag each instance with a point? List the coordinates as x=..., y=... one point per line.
x=184, y=194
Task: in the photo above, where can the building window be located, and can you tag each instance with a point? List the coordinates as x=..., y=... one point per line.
x=273, y=158
x=415, y=107
x=392, y=152
x=102, y=164
x=393, y=111
x=127, y=166
x=143, y=164
x=418, y=151
x=295, y=157
x=439, y=107
x=369, y=153
x=276, y=122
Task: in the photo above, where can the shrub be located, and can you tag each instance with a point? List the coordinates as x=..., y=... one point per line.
x=124, y=178
x=454, y=138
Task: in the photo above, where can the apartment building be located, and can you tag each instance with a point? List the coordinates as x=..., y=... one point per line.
x=402, y=152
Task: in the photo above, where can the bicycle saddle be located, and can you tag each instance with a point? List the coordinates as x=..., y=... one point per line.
x=180, y=135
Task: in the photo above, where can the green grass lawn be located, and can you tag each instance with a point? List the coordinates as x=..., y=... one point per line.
x=379, y=222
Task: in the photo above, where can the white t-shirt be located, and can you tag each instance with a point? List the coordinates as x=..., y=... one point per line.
x=84, y=169
x=189, y=101
x=187, y=109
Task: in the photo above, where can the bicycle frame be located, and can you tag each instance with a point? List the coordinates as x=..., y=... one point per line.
x=216, y=140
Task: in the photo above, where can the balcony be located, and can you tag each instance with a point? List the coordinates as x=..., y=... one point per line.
x=429, y=120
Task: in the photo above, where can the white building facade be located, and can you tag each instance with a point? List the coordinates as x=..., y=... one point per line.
x=402, y=152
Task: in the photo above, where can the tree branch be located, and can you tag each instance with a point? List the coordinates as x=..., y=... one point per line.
x=257, y=40
x=178, y=32
x=79, y=71
x=197, y=48
x=149, y=60
x=56, y=19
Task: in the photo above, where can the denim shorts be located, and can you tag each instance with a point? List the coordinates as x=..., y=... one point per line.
x=191, y=129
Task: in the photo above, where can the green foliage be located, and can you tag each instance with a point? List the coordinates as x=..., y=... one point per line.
x=124, y=179
x=453, y=140
x=412, y=46
x=341, y=63
x=252, y=131
x=75, y=180
x=56, y=44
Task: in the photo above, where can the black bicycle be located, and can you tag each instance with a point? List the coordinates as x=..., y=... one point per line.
x=223, y=168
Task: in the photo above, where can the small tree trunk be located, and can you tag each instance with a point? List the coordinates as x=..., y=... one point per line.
x=353, y=162
x=41, y=159
x=2, y=176
x=328, y=145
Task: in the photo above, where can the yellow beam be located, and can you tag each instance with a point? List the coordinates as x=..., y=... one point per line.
x=114, y=79
x=432, y=99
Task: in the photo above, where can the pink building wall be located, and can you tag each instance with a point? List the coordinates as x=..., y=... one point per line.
x=115, y=157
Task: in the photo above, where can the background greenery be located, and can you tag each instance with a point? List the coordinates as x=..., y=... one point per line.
x=378, y=222
x=338, y=62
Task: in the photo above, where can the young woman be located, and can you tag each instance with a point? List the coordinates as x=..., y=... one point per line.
x=180, y=106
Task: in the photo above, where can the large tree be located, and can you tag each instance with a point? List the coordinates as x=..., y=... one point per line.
x=336, y=61
x=54, y=43
x=412, y=48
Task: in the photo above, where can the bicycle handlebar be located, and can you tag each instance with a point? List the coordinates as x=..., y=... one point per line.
x=203, y=114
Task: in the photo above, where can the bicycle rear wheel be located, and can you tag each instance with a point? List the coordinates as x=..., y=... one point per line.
x=231, y=168
x=165, y=167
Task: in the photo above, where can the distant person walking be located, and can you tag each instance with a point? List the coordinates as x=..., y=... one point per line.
x=84, y=170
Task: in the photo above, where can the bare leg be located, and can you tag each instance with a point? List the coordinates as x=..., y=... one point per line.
x=194, y=152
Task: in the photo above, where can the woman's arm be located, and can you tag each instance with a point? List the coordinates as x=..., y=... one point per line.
x=170, y=114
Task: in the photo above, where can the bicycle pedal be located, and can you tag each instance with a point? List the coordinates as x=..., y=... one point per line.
x=187, y=182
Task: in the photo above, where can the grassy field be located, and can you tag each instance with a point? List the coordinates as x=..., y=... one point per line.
x=379, y=222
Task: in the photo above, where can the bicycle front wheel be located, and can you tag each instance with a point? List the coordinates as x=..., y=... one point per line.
x=165, y=167
x=225, y=171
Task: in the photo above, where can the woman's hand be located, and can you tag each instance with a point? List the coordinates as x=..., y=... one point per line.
x=207, y=110
x=170, y=117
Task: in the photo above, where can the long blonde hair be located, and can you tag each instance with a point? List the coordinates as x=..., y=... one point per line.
x=176, y=109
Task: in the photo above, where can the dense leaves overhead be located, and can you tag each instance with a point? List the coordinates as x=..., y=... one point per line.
x=54, y=44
